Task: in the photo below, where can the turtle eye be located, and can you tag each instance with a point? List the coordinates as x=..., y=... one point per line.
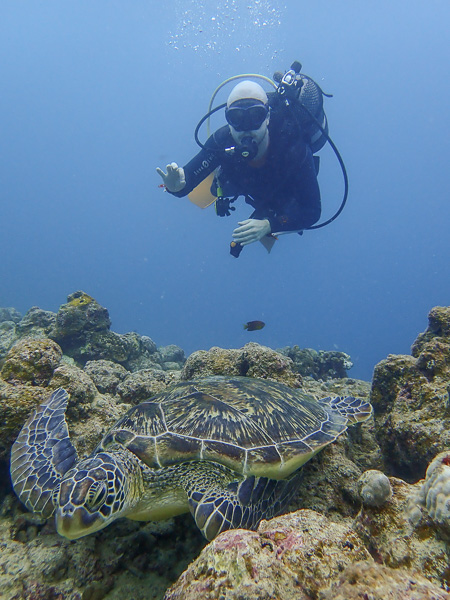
x=96, y=495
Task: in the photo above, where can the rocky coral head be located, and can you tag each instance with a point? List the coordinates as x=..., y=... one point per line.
x=374, y=488
x=80, y=316
x=31, y=361
x=438, y=327
x=434, y=495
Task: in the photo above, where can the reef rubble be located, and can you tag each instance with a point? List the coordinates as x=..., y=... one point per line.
x=372, y=515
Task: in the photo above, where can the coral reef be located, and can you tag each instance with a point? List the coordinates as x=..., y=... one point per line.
x=322, y=364
x=438, y=327
x=16, y=403
x=10, y=314
x=354, y=532
x=291, y=556
x=32, y=361
x=374, y=488
x=329, y=481
x=37, y=323
x=105, y=374
x=391, y=539
x=127, y=562
x=81, y=328
x=434, y=495
x=172, y=354
x=298, y=555
x=145, y=383
x=252, y=360
x=371, y=581
x=80, y=316
x=410, y=396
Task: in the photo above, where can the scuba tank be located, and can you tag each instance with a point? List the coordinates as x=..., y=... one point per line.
x=305, y=98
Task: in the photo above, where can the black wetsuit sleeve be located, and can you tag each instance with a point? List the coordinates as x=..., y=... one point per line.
x=203, y=163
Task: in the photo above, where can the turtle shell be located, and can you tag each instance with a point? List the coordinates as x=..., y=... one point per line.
x=253, y=426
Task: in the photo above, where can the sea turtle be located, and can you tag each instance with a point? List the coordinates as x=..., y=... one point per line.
x=227, y=449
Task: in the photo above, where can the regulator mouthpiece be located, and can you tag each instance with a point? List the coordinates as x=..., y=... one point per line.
x=248, y=148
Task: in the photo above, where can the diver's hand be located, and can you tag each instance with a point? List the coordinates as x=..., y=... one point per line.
x=174, y=179
x=251, y=230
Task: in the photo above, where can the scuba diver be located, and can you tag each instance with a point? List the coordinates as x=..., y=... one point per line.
x=264, y=153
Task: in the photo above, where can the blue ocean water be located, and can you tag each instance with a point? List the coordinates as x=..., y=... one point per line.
x=96, y=94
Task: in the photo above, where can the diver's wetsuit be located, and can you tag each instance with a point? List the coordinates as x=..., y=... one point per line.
x=282, y=189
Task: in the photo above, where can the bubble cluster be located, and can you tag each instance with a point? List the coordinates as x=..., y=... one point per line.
x=208, y=27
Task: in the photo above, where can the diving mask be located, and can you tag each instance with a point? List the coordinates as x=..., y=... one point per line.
x=246, y=115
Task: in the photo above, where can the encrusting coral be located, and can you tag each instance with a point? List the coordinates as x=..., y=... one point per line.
x=410, y=396
x=374, y=488
x=434, y=494
x=352, y=532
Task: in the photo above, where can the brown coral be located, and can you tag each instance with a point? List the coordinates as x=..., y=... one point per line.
x=292, y=556
x=369, y=581
x=410, y=396
x=81, y=314
x=252, y=360
x=16, y=404
x=31, y=361
x=392, y=541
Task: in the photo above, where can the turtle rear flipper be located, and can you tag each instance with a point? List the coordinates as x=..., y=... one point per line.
x=355, y=410
x=240, y=504
x=42, y=454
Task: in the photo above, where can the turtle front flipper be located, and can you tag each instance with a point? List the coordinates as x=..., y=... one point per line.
x=42, y=454
x=240, y=504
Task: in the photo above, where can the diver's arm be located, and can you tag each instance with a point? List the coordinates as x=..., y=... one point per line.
x=203, y=163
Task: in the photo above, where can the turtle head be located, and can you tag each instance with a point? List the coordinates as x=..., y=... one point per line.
x=97, y=491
